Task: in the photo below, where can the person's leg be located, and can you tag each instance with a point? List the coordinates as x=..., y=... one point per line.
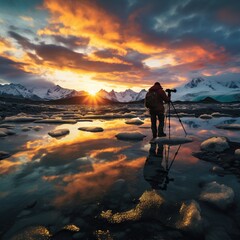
x=161, y=125
x=153, y=124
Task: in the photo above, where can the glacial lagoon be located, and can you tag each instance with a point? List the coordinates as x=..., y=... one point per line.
x=88, y=184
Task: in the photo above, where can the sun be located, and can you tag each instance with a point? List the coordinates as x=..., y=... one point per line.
x=92, y=92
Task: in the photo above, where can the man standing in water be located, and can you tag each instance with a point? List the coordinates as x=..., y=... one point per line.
x=154, y=100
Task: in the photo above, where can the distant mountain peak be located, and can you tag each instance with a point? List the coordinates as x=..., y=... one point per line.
x=195, y=82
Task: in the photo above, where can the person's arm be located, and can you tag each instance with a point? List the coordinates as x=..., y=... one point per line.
x=164, y=96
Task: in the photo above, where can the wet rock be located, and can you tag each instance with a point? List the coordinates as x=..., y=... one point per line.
x=4, y=155
x=173, y=140
x=59, y=132
x=233, y=126
x=56, y=121
x=215, y=144
x=130, y=136
x=135, y=121
x=91, y=129
x=205, y=116
x=217, y=194
x=190, y=217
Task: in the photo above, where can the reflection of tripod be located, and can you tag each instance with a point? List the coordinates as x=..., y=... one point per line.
x=154, y=172
x=168, y=116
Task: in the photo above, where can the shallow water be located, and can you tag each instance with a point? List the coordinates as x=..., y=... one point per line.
x=55, y=182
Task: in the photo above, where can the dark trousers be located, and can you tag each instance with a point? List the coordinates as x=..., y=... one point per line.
x=157, y=131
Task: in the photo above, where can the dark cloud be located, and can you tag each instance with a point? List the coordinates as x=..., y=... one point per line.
x=23, y=41
x=11, y=72
x=72, y=42
x=64, y=57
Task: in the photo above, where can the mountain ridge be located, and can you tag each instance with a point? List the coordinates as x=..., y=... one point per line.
x=195, y=90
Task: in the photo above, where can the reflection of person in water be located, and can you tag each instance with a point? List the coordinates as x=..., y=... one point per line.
x=154, y=173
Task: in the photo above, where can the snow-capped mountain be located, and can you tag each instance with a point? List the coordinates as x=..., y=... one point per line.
x=195, y=90
x=126, y=96
x=17, y=91
x=199, y=88
x=56, y=92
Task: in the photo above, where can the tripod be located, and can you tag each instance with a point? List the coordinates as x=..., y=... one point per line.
x=168, y=116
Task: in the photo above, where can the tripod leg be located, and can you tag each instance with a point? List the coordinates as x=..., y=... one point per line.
x=178, y=117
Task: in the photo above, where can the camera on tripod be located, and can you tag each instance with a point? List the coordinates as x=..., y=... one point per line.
x=171, y=90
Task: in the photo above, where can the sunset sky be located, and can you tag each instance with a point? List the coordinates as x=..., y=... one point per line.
x=118, y=44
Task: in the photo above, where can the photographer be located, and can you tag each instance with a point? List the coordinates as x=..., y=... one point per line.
x=154, y=100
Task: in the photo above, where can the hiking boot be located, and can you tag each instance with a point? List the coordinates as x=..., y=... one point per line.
x=162, y=134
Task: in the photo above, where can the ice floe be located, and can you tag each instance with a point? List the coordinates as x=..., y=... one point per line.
x=56, y=121
x=215, y=144
x=218, y=194
x=234, y=126
x=4, y=155
x=130, y=136
x=21, y=119
x=91, y=129
x=135, y=121
x=59, y=132
x=174, y=140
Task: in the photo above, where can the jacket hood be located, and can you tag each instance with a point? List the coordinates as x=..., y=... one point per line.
x=155, y=88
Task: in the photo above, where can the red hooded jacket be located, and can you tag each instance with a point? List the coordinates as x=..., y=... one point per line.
x=162, y=97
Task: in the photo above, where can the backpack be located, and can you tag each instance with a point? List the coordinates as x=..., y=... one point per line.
x=151, y=100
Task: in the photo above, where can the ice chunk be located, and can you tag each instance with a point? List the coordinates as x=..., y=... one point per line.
x=190, y=217
x=218, y=194
x=37, y=128
x=173, y=140
x=237, y=153
x=215, y=144
x=205, y=116
x=149, y=203
x=59, y=132
x=233, y=126
x=135, y=121
x=217, y=114
x=130, y=136
x=21, y=119
x=56, y=121
x=91, y=129
x=5, y=132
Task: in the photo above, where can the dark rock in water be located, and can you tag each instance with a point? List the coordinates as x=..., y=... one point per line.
x=227, y=159
x=91, y=129
x=4, y=155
